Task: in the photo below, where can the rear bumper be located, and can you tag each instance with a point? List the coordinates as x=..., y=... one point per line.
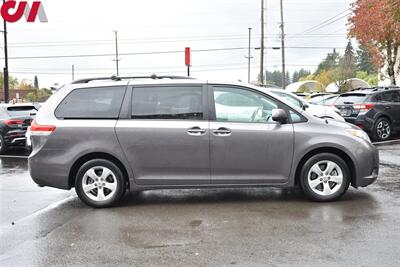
x=15, y=138
x=46, y=170
x=361, y=121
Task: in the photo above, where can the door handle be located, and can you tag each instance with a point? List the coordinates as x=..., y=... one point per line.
x=196, y=131
x=222, y=132
x=388, y=107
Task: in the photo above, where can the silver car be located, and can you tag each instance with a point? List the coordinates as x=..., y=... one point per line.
x=106, y=136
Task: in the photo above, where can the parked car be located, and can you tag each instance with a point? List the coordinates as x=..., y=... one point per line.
x=105, y=136
x=314, y=95
x=375, y=110
x=324, y=100
x=303, y=95
x=316, y=110
x=14, y=121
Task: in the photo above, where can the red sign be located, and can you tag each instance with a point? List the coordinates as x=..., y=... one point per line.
x=187, y=56
x=12, y=11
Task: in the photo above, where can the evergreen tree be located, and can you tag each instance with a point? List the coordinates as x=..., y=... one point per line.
x=330, y=62
x=364, y=60
x=36, y=82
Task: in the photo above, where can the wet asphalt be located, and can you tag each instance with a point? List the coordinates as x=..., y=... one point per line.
x=232, y=227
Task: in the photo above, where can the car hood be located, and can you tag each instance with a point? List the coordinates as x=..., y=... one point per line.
x=336, y=123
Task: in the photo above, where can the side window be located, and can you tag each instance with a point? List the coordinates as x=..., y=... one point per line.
x=396, y=96
x=387, y=97
x=295, y=118
x=240, y=105
x=168, y=103
x=92, y=103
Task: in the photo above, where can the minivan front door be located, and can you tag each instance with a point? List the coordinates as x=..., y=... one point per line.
x=246, y=146
x=166, y=140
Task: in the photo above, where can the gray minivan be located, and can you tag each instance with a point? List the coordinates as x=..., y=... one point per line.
x=105, y=136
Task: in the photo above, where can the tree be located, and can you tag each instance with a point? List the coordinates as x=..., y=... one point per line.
x=36, y=82
x=25, y=84
x=12, y=82
x=331, y=61
x=346, y=68
x=364, y=60
x=375, y=25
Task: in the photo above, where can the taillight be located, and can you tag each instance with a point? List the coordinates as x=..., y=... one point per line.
x=363, y=107
x=13, y=122
x=37, y=129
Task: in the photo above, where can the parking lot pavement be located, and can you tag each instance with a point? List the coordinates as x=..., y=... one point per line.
x=201, y=227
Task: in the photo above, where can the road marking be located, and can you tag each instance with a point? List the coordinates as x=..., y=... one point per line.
x=15, y=157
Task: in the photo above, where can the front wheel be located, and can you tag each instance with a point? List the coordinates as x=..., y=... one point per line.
x=99, y=183
x=325, y=177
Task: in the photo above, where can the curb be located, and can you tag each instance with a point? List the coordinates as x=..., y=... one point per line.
x=385, y=143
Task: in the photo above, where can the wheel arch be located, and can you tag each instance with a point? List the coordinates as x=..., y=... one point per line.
x=95, y=155
x=384, y=115
x=336, y=151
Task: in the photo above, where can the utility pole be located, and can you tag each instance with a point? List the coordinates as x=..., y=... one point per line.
x=5, y=73
x=249, y=57
x=262, y=45
x=283, y=48
x=73, y=72
x=116, y=52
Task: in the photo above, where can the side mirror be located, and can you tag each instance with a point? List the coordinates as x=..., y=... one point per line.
x=279, y=115
x=304, y=106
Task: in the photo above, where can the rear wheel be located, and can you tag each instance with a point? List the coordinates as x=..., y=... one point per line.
x=100, y=183
x=325, y=177
x=3, y=147
x=382, y=129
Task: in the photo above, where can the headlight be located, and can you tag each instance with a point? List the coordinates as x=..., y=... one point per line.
x=359, y=133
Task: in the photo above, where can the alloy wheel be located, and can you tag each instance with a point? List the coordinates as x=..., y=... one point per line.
x=99, y=183
x=383, y=129
x=325, y=178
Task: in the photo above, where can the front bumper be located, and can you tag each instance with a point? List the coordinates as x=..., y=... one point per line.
x=368, y=170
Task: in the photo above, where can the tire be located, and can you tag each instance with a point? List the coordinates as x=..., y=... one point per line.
x=104, y=182
x=382, y=129
x=3, y=147
x=320, y=186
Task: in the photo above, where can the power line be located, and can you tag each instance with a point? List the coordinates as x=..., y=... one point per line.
x=164, y=52
x=324, y=22
x=160, y=71
x=161, y=40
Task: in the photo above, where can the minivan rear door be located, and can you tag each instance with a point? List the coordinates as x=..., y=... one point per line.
x=246, y=146
x=165, y=136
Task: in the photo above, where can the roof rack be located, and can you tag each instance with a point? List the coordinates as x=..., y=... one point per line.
x=361, y=88
x=120, y=78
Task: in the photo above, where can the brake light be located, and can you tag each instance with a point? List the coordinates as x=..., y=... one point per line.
x=363, y=107
x=37, y=129
x=13, y=122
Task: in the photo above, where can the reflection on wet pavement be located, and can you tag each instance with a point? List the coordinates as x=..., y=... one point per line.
x=248, y=227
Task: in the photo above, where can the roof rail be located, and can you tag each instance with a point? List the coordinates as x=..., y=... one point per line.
x=120, y=78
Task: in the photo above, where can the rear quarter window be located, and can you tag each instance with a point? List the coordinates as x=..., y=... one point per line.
x=92, y=103
x=22, y=111
x=350, y=99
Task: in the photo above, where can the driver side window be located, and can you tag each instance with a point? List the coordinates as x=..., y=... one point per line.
x=240, y=105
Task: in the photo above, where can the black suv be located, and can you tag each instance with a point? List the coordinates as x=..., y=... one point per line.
x=14, y=121
x=375, y=110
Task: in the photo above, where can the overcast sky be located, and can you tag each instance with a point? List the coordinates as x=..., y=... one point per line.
x=86, y=28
